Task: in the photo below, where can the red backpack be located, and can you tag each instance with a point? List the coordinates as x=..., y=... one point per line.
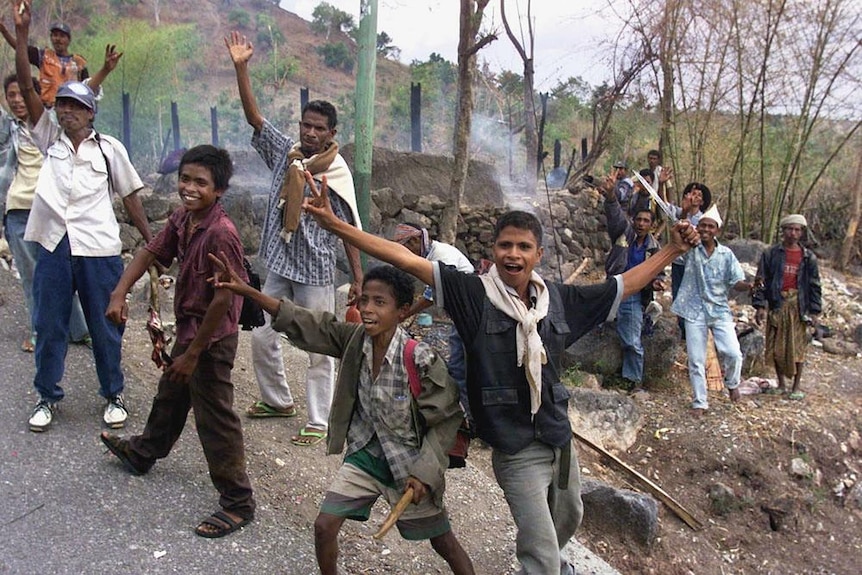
x=458, y=452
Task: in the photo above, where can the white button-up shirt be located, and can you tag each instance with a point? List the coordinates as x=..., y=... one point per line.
x=72, y=194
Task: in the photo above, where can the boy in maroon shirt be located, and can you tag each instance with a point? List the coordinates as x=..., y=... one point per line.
x=198, y=376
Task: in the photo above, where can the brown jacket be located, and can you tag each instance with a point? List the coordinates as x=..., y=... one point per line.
x=436, y=407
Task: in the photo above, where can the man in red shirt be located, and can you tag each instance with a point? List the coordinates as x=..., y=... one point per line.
x=789, y=288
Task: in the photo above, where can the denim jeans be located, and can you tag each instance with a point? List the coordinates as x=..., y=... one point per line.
x=268, y=361
x=630, y=321
x=58, y=275
x=25, y=254
x=545, y=515
x=729, y=356
x=458, y=369
x=677, y=272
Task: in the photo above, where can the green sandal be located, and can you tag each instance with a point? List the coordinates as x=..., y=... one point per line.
x=308, y=437
x=775, y=391
x=261, y=409
x=796, y=396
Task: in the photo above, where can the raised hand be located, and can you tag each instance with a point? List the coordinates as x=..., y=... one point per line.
x=226, y=277
x=21, y=13
x=684, y=236
x=239, y=47
x=318, y=204
x=112, y=57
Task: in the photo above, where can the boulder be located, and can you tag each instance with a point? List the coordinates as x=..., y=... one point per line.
x=630, y=515
x=607, y=418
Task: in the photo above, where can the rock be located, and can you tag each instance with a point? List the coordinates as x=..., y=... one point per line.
x=607, y=418
x=854, y=496
x=389, y=203
x=747, y=251
x=781, y=513
x=599, y=350
x=800, y=469
x=722, y=499
x=628, y=514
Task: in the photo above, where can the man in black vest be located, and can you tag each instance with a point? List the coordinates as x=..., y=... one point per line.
x=515, y=327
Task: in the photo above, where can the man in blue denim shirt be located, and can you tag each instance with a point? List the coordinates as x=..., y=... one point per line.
x=711, y=270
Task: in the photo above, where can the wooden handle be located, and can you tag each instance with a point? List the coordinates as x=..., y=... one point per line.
x=395, y=513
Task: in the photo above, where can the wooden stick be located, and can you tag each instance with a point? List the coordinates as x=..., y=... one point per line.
x=395, y=513
x=571, y=279
x=678, y=509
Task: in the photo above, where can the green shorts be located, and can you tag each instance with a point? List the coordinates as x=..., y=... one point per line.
x=354, y=492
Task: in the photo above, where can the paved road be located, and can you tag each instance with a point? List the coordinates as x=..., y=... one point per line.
x=70, y=508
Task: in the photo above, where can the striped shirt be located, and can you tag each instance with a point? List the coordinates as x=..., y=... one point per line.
x=310, y=256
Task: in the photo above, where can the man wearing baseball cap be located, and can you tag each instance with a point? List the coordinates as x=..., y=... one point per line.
x=74, y=224
x=56, y=64
x=789, y=290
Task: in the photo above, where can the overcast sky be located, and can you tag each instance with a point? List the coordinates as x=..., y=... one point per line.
x=567, y=33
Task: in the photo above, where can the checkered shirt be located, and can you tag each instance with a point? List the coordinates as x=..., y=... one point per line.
x=310, y=256
x=383, y=420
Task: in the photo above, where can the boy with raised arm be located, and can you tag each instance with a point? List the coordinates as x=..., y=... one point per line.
x=393, y=441
x=515, y=327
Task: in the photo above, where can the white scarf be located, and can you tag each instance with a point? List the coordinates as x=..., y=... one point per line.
x=531, y=350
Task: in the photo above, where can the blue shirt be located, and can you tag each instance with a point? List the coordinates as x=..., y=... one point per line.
x=703, y=295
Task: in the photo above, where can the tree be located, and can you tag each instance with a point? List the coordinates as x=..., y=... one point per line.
x=468, y=46
x=531, y=138
x=853, y=224
x=336, y=55
x=385, y=47
x=326, y=18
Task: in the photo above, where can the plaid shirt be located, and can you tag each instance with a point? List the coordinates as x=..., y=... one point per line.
x=310, y=256
x=383, y=420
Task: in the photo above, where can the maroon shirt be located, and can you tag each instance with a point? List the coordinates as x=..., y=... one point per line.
x=214, y=234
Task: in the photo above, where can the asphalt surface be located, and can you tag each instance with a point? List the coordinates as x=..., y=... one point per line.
x=71, y=508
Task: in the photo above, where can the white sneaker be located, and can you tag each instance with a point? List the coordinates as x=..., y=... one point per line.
x=115, y=413
x=43, y=415
x=654, y=311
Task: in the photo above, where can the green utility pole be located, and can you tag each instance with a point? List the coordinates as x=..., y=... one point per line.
x=365, y=105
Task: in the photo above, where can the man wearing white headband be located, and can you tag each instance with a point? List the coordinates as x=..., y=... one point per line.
x=788, y=281
x=711, y=271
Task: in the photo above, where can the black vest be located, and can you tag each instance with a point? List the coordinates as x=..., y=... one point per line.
x=498, y=389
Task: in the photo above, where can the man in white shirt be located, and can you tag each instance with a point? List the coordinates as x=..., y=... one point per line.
x=73, y=222
x=416, y=239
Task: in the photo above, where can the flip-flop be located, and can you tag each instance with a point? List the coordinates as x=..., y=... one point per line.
x=224, y=525
x=29, y=344
x=796, y=396
x=308, y=437
x=261, y=409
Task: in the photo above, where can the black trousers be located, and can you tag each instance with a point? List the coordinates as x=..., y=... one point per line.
x=209, y=392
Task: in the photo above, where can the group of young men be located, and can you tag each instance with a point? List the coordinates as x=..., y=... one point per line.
x=787, y=283
x=512, y=324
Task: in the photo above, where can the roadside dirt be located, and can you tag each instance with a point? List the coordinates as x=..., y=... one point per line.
x=747, y=447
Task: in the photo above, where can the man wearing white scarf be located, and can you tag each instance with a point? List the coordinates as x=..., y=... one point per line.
x=515, y=327
x=299, y=255
x=530, y=351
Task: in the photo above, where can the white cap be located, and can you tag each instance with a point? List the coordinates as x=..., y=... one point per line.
x=712, y=214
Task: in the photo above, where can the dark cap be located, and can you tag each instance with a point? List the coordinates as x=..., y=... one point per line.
x=61, y=27
x=78, y=91
x=620, y=164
